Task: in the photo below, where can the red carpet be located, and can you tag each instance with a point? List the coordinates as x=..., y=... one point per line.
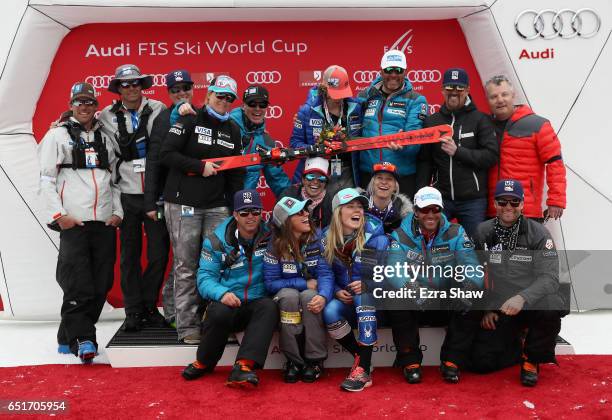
x=580, y=388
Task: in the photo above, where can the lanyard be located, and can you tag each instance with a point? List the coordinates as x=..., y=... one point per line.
x=328, y=117
x=134, y=117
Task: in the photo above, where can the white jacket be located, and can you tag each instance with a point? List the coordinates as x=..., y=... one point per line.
x=130, y=181
x=86, y=194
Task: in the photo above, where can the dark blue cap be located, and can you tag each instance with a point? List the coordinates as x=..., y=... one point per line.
x=509, y=188
x=455, y=76
x=247, y=199
x=178, y=76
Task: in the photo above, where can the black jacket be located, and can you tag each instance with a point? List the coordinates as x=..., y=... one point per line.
x=187, y=143
x=464, y=175
x=531, y=270
x=156, y=173
x=322, y=214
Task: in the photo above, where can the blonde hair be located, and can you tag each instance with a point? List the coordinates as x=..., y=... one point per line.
x=334, y=239
x=370, y=188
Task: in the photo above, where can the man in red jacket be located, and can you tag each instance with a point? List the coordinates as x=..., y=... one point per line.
x=529, y=146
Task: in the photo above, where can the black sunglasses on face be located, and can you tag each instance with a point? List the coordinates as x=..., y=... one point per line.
x=450, y=88
x=515, y=202
x=128, y=83
x=225, y=97
x=86, y=102
x=260, y=105
x=180, y=88
x=432, y=209
x=396, y=70
x=246, y=212
x=312, y=177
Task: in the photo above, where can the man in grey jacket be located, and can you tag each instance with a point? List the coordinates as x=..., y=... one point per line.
x=82, y=202
x=128, y=122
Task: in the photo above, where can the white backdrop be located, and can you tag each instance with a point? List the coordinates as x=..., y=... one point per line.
x=569, y=89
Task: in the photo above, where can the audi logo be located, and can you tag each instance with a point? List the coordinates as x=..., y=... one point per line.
x=271, y=77
x=102, y=82
x=549, y=24
x=262, y=183
x=415, y=76
x=266, y=214
x=274, y=111
x=433, y=108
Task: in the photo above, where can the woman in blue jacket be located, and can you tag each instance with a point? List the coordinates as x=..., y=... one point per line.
x=349, y=234
x=329, y=106
x=291, y=272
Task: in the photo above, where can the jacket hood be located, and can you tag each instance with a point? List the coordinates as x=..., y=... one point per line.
x=405, y=204
x=237, y=115
x=225, y=237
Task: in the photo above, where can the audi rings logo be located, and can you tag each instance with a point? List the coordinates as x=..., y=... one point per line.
x=433, y=108
x=270, y=77
x=565, y=23
x=424, y=76
x=274, y=111
x=102, y=82
x=365, y=76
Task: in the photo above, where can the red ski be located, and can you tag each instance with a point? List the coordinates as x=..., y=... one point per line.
x=280, y=155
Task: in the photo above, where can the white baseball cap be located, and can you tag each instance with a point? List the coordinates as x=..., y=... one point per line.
x=316, y=164
x=393, y=58
x=428, y=196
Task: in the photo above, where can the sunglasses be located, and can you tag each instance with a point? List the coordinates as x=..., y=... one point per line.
x=253, y=212
x=128, y=83
x=312, y=177
x=389, y=167
x=431, y=209
x=260, y=105
x=515, y=202
x=86, y=102
x=180, y=88
x=391, y=70
x=451, y=88
x=225, y=97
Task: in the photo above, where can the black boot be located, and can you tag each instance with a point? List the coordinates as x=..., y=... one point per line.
x=192, y=371
x=413, y=373
x=242, y=376
x=152, y=318
x=450, y=372
x=292, y=372
x=312, y=371
x=529, y=373
x=132, y=323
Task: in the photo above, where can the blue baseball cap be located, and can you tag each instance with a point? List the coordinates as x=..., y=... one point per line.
x=178, y=76
x=347, y=195
x=455, y=76
x=223, y=84
x=509, y=188
x=287, y=207
x=247, y=199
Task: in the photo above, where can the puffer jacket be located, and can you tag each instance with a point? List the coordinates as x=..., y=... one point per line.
x=276, y=178
x=393, y=215
x=403, y=110
x=224, y=266
x=529, y=146
x=310, y=121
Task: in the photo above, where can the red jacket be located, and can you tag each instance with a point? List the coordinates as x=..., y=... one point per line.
x=529, y=144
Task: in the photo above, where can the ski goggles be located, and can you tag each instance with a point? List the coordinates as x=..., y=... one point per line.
x=430, y=209
x=451, y=88
x=225, y=97
x=312, y=177
x=384, y=167
x=515, y=202
x=86, y=102
x=127, y=83
x=393, y=70
x=180, y=88
x=260, y=105
x=247, y=212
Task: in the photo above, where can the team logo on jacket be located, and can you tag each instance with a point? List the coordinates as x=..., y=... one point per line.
x=395, y=111
x=316, y=122
x=549, y=244
x=203, y=139
x=225, y=144
x=176, y=130
x=298, y=124
x=396, y=104
x=289, y=268
x=370, y=112
x=202, y=130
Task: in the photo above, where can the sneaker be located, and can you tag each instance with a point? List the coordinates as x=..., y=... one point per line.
x=192, y=339
x=292, y=372
x=87, y=351
x=529, y=373
x=242, y=376
x=152, y=318
x=312, y=371
x=450, y=372
x=195, y=370
x=357, y=380
x=63, y=349
x=132, y=323
x=413, y=373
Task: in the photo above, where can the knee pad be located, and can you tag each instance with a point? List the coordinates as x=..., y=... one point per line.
x=339, y=329
x=366, y=322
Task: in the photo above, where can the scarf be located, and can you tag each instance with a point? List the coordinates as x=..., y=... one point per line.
x=507, y=236
x=315, y=201
x=215, y=114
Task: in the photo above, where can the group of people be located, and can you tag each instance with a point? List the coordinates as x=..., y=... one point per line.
x=307, y=270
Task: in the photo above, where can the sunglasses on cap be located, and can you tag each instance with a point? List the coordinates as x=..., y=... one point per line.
x=86, y=102
x=515, y=202
x=225, y=97
x=180, y=88
x=450, y=88
x=312, y=177
x=391, y=70
x=246, y=212
x=388, y=167
x=429, y=209
x=260, y=105
x=127, y=83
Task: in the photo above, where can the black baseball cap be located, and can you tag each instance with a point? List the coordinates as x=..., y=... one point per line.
x=255, y=93
x=455, y=77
